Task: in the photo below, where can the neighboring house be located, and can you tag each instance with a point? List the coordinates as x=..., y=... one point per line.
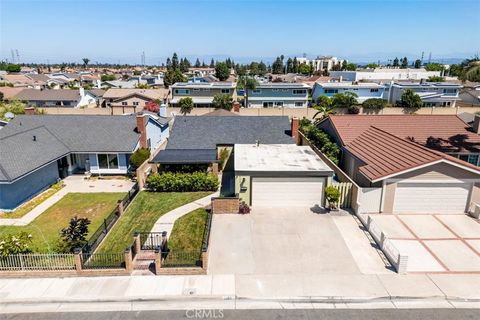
x=470, y=95
x=135, y=98
x=279, y=95
x=120, y=84
x=202, y=94
x=10, y=93
x=18, y=80
x=384, y=74
x=433, y=94
x=39, y=150
x=201, y=72
x=363, y=90
x=409, y=163
x=57, y=98
x=266, y=167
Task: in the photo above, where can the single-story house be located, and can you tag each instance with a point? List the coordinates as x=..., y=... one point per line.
x=264, y=166
x=37, y=150
x=57, y=97
x=408, y=163
x=134, y=98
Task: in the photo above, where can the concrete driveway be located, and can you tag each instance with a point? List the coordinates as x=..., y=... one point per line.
x=434, y=242
x=290, y=241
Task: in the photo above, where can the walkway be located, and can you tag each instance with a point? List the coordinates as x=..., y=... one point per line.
x=166, y=221
x=75, y=183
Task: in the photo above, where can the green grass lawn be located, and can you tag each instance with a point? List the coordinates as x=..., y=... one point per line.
x=45, y=229
x=142, y=214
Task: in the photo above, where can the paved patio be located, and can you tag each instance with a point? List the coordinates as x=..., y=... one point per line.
x=434, y=242
x=290, y=241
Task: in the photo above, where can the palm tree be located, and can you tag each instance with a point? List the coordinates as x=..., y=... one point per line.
x=186, y=105
x=471, y=69
x=324, y=108
x=247, y=83
x=85, y=62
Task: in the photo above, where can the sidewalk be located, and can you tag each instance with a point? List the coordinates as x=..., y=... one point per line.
x=166, y=221
x=239, y=292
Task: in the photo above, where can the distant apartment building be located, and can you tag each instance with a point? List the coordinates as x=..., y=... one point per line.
x=279, y=95
x=321, y=63
x=433, y=94
x=363, y=90
x=384, y=74
x=202, y=93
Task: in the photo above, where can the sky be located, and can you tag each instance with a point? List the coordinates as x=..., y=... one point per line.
x=118, y=31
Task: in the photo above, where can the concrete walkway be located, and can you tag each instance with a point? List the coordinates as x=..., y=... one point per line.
x=75, y=183
x=166, y=221
x=239, y=292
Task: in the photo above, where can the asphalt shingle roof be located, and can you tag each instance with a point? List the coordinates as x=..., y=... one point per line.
x=206, y=132
x=57, y=135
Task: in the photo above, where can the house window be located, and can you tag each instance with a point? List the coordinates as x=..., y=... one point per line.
x=331, y=91
x=225, y=90
x=473, y=159
x=108, y=161
x=135, y=103
x=373, y=90
x=279, y=104
x=182, y=91
x=257, y=91
x=267, y=104
x=299, y=91
x=298, y=104
x=206, y=89
x=149, y=143
x=196, y=89
x=124, y=103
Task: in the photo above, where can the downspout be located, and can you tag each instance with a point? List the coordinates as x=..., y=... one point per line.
x=382, y=199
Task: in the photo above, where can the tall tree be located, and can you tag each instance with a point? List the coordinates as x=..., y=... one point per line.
x=290, y=65
x=396, y=62
x=223, y=101
x=262, y=68
x=410, y=100
x=186, y=105
x=197, y=63
x=418, y=64
x=295, y=65
x=404, y=63
x=222, y=71
x=212, y=63
x=248, y=84
x=85, y=62
x=175, y=63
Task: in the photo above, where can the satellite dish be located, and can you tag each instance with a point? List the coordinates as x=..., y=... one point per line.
x=9, y=115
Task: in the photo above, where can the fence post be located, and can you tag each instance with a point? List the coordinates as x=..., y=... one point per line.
x=158, y=261
x=138, y=244
x=382, y=239
x=120, y=207
x=369, y=222
x=128, y=260
x=164, y=245
x=77, y=259
x=205, y=260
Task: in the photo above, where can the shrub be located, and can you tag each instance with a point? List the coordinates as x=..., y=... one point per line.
x=182, y=182
x=353, y=110
x=374, y=104
x=333, y=195
x=15, y=244
x=184, y=168
x=75, y=235
x=139, y=157
x=323, y=142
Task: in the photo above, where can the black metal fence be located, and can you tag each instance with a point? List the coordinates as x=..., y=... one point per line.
x=103, y=260
x=109, y=222
x=153, y=240
x=206, y=232
x=177, y=259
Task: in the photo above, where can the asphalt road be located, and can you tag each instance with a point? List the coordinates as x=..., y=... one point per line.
x=363, y=314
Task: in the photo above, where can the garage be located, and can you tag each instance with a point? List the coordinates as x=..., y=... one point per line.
x=288, y=191
x=431, y=197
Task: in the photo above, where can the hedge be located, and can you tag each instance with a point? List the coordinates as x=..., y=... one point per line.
x=182, y=182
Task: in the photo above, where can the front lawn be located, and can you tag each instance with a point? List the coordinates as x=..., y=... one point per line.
x=142, y=214
x=45, y=229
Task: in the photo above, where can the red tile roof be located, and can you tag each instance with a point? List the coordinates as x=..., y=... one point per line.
x=446, y=133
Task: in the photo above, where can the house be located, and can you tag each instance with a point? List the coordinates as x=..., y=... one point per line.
x=363, y=90
x=409, y=163
x=321, y=63
x=37, y=150
x=133, y=97
x=279, y=95
x=433, y=94
x=265, y=167
x=470, y=94
x=202, y=94
x=388, y=74
x=10, y=93
x=57, y=98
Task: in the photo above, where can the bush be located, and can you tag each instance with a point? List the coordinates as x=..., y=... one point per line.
x=333, y=195
x=374, y=104
x=15, y=244
x=185, y=168
x=139, y=157
x=323, y=142
x=75, y=235
x=182, y=182
x=353, y=110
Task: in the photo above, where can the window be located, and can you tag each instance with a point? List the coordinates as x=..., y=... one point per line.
x=473, y=159
x=225, y=90
x=182, y=91
x=257, y=91
x=124, y=103
x=298, y=104
x=279, y=104
x=108, y=161
x=373, y=90
x=196, y=89
x=299, y=91
x=267, y=104
x=331, y=91
x=135, y=103
x=149, y=143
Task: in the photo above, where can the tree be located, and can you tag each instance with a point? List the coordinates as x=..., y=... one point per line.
x=374, y=104
x=152, y=106
x=305, y=69
x=351, y=67
x=75, y=235
x=344, y=65
x=197, y=63
x=371, y=66
x=10, y=67
x=324, y=107
x=396, y=62
x=436, y=79
x=221, y=71
x=344, y=100
x=107, y=77
x=418, y=64
x=173, y=76
x=246, y=83
x=434, y=67
x=410, y=100
x=85, y=62
x=13, y=106
x=1, y=96
x=15, y=244
x=139, y=157
x=223, y=101
x=186, y=105
x=290, y=65
x=404, y=63
x=212, y=63
x=471, y=69
x=175, y=63
x=277, y=66
x=262, y=68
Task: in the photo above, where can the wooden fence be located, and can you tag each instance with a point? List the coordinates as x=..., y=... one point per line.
x=345, y=189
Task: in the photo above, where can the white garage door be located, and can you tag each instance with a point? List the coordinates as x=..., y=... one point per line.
x=431, y=197
x=274, y=192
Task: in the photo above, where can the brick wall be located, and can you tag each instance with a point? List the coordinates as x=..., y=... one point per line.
x=225, y=205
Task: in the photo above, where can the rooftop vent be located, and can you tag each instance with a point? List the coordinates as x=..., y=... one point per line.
x=34, y=138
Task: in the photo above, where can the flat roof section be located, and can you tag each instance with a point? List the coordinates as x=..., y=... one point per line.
x=278, y=158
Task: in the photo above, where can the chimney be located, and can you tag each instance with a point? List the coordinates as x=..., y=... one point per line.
x=82, y=92
x=141, y=122
x=29, y=111
x=476, y=124
x=163, y=110
x=295, y=127
x=236, y=106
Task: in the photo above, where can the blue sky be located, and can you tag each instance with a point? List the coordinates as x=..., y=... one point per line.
x=119, y=30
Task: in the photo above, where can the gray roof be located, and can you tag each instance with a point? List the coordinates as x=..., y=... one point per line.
x=186, y=156
x=57, y=135
x=206, y=132
x=48, y=95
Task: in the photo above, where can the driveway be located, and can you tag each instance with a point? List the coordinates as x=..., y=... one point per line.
x=290, y=241
x=434, y=242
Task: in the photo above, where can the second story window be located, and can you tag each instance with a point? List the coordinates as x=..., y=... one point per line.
x=299, y=91
x=225, y=90
x=182, y=91
x=257, y=91
x=135, y=103
x=124, y=103
x=330, y=91
x=373, y=90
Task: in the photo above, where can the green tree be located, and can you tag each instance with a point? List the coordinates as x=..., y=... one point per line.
x=15, y=244
x=305, y=69
x=75, y=235
x=436, y=79
x=107, y=77
x=404, y=64
x=351, y=67
x=175, y=63
x=324, y=108
x=197, y=63
x=434, y=67
x=223, y=101
x=410, y=100
x=418, y=64
x=344, y=100
x=186, y=105
x=138, y=157
x=248, y=84
x=262, y=68
x=173, y=76
x=372, y=66
x=374, y=104
x=277, y=66
x=471, y=69
x=396, y=62
x=85, y=62
x=344, y=65
x=212, y=63
x=13, y=106
x=221, y=71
